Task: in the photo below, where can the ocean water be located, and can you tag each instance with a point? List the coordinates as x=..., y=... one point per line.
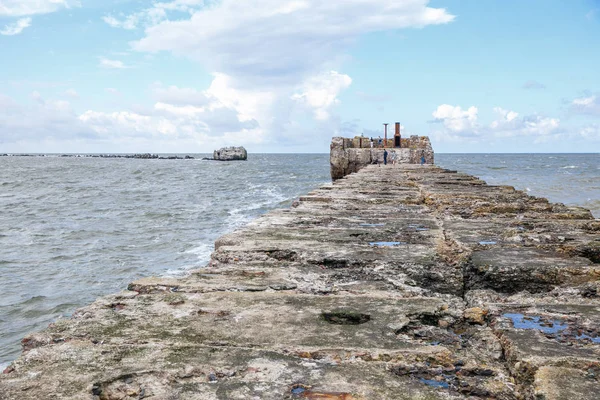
x=74, y=229
x=572, y=179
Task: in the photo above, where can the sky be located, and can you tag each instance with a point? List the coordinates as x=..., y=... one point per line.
x=285, y=76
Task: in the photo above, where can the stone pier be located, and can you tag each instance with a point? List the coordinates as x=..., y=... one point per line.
x=350, y=155
x=395, y=282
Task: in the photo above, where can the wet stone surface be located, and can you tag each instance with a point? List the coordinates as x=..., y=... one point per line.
x=395, y=282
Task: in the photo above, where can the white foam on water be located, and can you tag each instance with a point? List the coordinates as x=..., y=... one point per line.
x=3, y=366
x=268, y=197
x=202, y=251
x=237, y=217
x=274, y=196
x=177, y=273
x=569, y=167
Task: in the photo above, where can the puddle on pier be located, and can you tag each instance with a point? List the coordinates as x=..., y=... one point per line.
x=386, y=244
x=562, y=331
x=434, y=383
x=471, y=383
x=520, y=321
x=583, y=336
x=372, y=225
x=298, y=390
x=487, y=242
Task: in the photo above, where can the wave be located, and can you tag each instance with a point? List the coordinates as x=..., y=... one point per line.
x=34, y=300
x=570, y=167
x=140, y=219
x=202, y=251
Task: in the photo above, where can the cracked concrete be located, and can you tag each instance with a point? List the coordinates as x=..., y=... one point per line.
x=396, y=282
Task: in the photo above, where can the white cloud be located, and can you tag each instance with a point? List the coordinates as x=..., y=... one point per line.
x=275, y=41
x=586, y=105
x=112, y=21
x=537, y=126
x=168, y=122
x=463, y=124
x=591, y=132
x=152, y=15
x=320, y=92
x=72, y=93
x=179, y=96
x=126, y=123
x=161, y=126
x=26, y=8
x=273, y=61
x=42, y=119
x=457, y=120
x=584, y=101
x=16, y=27
x=250, y=104
x=540, y=126
x=112, y=64
x=133, y=21
x=506, y=115
x=20, y=8
x=273, y=64
x=112, y=91
x=35, y=95
x=183, y=111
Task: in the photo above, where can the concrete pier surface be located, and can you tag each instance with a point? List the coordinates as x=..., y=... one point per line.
x=395, y=282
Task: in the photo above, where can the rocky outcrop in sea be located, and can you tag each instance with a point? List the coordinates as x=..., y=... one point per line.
x=230, y=154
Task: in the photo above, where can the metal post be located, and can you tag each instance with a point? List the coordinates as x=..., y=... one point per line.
x=385, y=135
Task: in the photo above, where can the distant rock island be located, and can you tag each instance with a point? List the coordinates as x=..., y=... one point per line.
x=230, y=154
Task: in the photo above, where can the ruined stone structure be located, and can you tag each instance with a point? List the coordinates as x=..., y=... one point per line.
x=230, y=154
x=407, y=282
x=350, y=155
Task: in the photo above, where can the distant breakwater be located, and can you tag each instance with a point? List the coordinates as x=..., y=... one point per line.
x=143, y=156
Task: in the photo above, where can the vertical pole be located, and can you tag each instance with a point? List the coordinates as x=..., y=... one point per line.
x=385, y=135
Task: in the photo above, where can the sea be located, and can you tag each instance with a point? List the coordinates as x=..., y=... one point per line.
x=73, y=229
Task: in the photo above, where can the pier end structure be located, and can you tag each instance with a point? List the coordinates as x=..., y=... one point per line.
x=348, y=155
